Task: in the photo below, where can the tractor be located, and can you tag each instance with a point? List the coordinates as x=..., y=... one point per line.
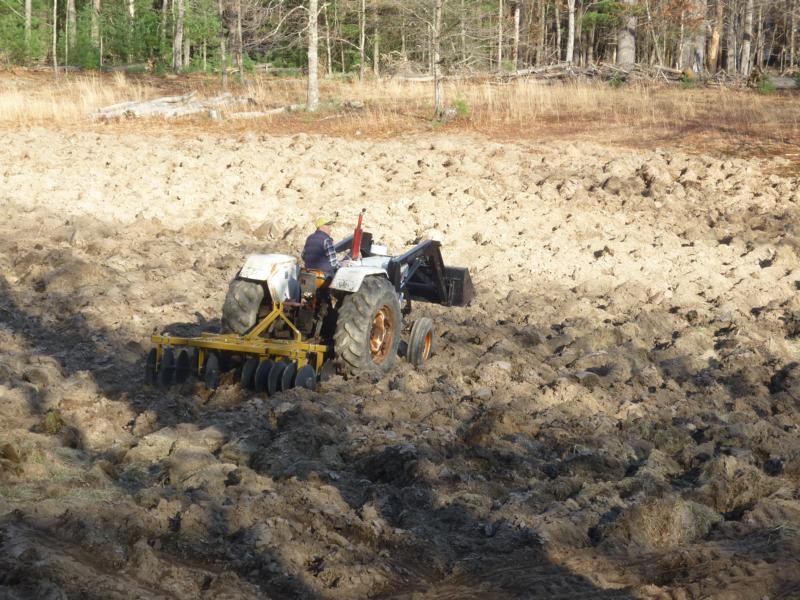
x=285, y=326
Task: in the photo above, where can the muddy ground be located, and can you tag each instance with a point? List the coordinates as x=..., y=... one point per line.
x=615, y=416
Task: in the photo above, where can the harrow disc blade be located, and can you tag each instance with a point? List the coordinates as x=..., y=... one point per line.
x=287, y=378
x=262, y=374
x=249, y=368
x=166, y=369
x=274, y=379
x=150, y=367
x=306, y=378
x=194, y=361
x=183, y=367
x=212, y=372
x=327, y=371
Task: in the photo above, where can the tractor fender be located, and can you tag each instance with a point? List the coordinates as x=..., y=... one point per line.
x=349, y=279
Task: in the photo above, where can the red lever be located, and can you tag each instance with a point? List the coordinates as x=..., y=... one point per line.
x=356, y=250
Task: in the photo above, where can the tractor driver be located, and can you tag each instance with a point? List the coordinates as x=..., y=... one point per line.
x=319, y=253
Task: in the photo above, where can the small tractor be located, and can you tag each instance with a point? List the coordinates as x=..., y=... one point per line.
x=286, y=326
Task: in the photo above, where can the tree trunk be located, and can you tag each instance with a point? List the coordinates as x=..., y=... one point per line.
x=239, y=42
x=362, y=25
x=626, y=37
x=579, y=41
x=438, y=100
x=793, y=25
x=338, y=29
x=694, y=48
x=131, y=22
x=557, y=23
x=55, y=37
x=223, y=59
x=313, y=84
x=28, y=23
x=515, y=49
x=747, y=39
x=570, y=31
x=499, y=35
x=177, y=40
x=403, y=40
x=328, y=40
x=730, y=41
x=163, y=30
x=72, y=24
x=542, y=33
x=716, y=32
x=762, y=38
x=463, y=23
x=376, y=43
x=95, y=24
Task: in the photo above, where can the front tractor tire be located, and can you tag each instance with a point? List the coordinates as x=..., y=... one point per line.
x=368, y=329
x=420, y=343
x=240, y=310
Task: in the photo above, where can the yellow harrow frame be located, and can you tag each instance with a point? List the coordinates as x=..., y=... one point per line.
x=252, y=343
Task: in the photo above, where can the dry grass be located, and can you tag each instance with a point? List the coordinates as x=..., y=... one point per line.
x=736, y=121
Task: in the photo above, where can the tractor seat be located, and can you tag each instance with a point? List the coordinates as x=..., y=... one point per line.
x=312, y=280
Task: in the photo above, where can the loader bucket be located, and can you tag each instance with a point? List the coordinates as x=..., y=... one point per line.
x=459, y=286
x=422, y=274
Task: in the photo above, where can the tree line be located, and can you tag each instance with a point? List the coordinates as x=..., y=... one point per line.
x=375, y=37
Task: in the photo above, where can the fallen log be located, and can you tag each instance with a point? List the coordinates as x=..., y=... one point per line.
x=168, y=106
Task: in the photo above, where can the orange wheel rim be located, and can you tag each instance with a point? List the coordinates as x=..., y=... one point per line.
x=382, y=334
x=426, y=350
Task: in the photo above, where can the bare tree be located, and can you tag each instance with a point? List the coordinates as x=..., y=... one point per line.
x=376, y=42
x=239, y=42
x=28, y=22
x=793, y=30
x=693, y=23
x=716, y=33
x=747, y=38
x=177, y=40
x=626, y=37
x=95, y=24
x=223, y=59
x=515, y=47
x=312, y=103
x=55, y=37
x=328, y=40
x=730, y=39
x=570, y=30
x=499, y=34
x=71, y=24
x=438, y=100
x=362, y=39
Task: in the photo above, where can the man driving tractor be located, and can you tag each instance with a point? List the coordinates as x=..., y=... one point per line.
x=318, y=252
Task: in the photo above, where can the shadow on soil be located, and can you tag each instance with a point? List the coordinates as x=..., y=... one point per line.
x=435, y=547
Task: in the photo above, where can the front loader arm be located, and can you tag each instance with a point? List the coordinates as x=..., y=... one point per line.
x=427, y=279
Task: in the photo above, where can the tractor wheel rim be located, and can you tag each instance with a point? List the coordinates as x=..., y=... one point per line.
x=381, y=334
x=426, y=352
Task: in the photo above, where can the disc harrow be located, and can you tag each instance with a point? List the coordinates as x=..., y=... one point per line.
x=263, y=364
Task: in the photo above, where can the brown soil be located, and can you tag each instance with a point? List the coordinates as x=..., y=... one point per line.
x=615, y=416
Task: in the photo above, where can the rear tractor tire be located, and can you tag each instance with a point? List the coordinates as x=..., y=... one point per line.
x=420, y=343
x=368, y=329
x=240, y=310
